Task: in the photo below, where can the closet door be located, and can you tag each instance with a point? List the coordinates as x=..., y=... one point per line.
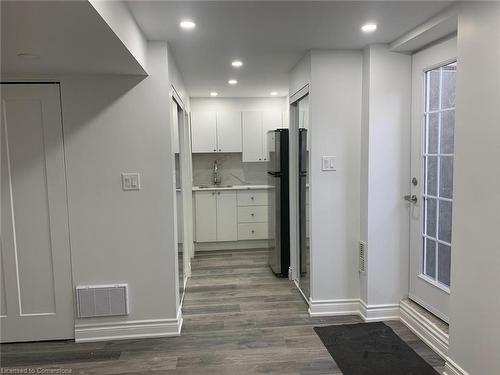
x=37, y=291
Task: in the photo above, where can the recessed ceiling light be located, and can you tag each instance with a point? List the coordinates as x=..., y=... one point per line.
x=28, y=56
x=237, y=63
x=213, y=93
x=187, y=24
x=369, y=27
x=232, y=82
x=274, y=93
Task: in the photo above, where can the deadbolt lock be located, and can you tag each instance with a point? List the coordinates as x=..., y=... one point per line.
x=414, y=181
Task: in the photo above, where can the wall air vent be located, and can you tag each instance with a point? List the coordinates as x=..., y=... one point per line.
x=362, y=256
x=102, y=300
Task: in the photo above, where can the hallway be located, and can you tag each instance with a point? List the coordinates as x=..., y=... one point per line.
x=238, y=319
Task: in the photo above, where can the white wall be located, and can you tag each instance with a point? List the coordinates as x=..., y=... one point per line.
x=238, y=104
x=300, y=75
x=335, y=105
x=115, y=124
x=120, y=20
x=385, y=174
x=475, y=301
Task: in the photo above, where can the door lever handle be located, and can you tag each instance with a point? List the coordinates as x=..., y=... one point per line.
x=412, y=198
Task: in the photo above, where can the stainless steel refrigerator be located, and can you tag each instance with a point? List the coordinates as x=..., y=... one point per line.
x=279, y=210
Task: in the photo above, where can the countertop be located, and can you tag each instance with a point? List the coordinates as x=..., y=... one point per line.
x=234, y=187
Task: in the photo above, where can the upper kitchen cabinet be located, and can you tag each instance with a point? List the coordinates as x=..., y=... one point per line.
x=203, y=132
x=255, y=125
x=229, y=132
x=216, y=132
x=252, y=135
x=270, y=121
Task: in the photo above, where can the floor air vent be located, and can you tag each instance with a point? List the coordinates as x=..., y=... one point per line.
x=362, y=256
x=102, y=300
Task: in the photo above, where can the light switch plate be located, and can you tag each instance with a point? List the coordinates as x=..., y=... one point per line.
x=131, y=181
x=328, y=163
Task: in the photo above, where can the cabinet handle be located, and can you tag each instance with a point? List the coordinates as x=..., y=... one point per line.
x=260, y=158
x=251, y=198
x=218, y=193
x=213, y=192
x=215, y=150
x=220, y=149
x=251, y=214
x=253, y=231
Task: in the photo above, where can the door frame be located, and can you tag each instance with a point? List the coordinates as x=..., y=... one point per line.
x=435, y=56
x=294, y=275
x=186, y=188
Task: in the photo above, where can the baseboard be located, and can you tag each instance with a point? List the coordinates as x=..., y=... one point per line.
x=425, y=329
x=134, y=329
x=451, y=368
x=231, y=245
x=333, y=307
x=369, y=313
x=376, y=313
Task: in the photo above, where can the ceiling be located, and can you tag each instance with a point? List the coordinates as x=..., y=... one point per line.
x=269, y=36
x=68, y=37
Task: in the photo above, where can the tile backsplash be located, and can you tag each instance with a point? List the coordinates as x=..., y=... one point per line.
x=231, y=169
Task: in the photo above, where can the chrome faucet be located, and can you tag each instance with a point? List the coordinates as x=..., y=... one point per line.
x=216, y=180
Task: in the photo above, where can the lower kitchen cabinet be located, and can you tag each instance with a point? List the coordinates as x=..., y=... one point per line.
x=216, y=216
x=206, y=212
x=227, y=214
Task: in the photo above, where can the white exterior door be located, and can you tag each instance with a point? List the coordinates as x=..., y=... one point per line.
x=431, y=198
x=229, y=131
x=203, y=132
x=227, y=216
x=36, y=292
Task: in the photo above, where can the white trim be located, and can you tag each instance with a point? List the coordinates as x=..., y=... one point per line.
x=451, y=368
x=333, y=307
x=231, y=245
x=425, y=329
x=129, y=330
x=373, y=313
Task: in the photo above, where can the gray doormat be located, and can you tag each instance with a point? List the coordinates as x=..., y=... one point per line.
x=371, y=349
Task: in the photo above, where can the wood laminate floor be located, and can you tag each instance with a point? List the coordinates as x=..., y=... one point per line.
x=238, y=319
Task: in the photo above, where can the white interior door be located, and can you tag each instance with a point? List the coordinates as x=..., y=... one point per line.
x=37, y=298
x=433, y=120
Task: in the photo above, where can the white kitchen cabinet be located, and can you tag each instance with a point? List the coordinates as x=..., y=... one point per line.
x=206, y=212
x=227, y=215
x=286, y=120
x=216, y=132
x=203, y=132
x=270, y=121
x=253, y=231
x=216, y=216
x=229, y=132
x=255, y=125
x=252, y=136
